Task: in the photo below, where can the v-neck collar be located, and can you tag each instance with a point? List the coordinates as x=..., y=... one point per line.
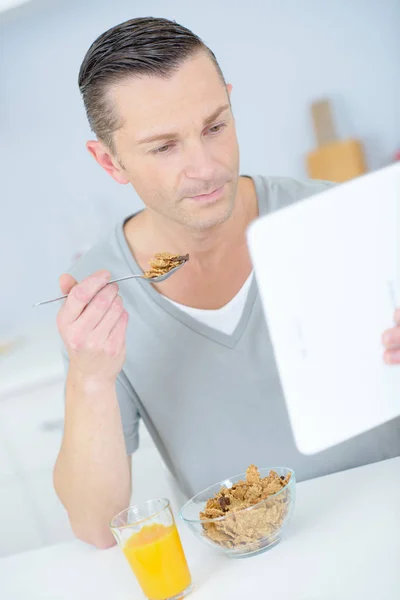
x=228, y=340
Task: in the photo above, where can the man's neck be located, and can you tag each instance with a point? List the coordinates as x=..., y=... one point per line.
x=219, y=259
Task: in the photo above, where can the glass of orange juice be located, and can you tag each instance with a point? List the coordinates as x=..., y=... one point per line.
x=149, y=538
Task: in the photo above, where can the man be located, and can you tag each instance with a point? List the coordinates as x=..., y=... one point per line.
x=195, y=361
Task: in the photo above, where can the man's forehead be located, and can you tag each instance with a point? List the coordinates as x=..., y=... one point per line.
x=192, y=93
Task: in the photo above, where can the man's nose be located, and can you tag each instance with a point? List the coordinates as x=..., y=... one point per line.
x=198, y=163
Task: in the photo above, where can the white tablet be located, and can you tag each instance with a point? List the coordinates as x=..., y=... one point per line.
x=328, y=271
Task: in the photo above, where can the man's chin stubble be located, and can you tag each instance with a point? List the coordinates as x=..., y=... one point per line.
x=204, y=224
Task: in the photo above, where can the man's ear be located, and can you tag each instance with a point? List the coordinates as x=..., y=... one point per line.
x=102, y=155
x=229, y=89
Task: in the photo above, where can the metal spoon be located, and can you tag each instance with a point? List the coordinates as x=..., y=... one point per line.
x=158, y=279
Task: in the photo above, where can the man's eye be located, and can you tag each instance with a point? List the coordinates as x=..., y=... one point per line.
x=216, y=128
x=162, y=149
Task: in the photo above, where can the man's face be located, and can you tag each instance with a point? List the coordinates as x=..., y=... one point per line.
x=178, y=144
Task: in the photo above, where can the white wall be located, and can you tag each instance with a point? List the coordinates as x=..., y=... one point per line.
x=279, y=56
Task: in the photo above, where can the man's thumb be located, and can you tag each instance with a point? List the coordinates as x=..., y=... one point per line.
x=67, y=282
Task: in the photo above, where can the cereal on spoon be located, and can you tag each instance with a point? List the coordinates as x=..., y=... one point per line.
x=164, y=262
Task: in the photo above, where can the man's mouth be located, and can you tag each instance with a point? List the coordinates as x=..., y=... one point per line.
x=210, y=197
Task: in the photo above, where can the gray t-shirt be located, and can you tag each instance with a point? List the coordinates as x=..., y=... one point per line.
x=213, y=402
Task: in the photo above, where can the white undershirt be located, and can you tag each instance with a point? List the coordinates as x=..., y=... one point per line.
x=224, y=319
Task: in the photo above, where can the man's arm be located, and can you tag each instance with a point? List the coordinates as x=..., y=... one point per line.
x=92, y=475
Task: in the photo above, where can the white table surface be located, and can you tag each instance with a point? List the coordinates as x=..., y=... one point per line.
x=343, y=544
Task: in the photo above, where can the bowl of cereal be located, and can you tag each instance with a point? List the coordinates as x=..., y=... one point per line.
x=243, y=515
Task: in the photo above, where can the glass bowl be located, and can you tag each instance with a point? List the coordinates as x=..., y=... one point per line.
x=247, y=531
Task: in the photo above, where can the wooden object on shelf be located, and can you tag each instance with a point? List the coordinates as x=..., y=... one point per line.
x=334, y=159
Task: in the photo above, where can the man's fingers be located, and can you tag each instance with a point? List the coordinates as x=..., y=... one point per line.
x=391, y=341
x=67, y=282
x=392, y=357
x=80, y=296
x=96, y=310
x=109, y=320
x=117, y=333
x=391, y=338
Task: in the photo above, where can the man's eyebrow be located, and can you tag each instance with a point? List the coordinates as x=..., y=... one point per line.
x=171, y=135
x=216, y=114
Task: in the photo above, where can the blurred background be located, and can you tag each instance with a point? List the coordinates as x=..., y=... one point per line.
x=280, y=56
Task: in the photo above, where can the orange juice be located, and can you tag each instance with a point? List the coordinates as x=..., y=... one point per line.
x=156, y=556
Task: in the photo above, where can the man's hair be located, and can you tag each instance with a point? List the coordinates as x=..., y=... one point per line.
x=145, y=46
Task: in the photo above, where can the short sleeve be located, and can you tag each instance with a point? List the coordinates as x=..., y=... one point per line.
x=287, y=191
x=127, y=405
